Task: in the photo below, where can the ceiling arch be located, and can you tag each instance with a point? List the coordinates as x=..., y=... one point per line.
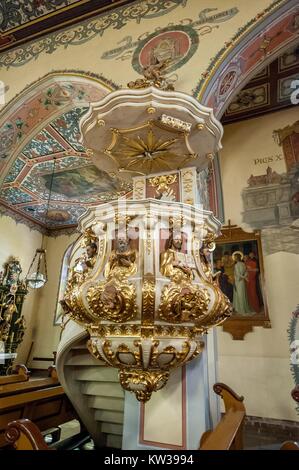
x=247, y=54
x=39, y=103
x=40, y=126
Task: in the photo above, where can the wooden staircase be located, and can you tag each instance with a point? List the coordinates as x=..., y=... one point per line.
x=94, y=391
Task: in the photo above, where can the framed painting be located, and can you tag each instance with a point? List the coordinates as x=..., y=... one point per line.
x=239, y=269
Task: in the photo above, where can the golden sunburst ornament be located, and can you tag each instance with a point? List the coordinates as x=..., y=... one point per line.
x=145, y=153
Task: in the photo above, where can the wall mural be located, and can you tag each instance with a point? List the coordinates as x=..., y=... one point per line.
x=77, y=183
x=271, y=200
x=88, y=29
x=175, y=43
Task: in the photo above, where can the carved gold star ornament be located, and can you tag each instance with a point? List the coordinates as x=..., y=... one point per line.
x=149, y=149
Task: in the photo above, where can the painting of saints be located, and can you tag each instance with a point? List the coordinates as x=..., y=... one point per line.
x=252, y=281
x=224, y=283
x=240, y=300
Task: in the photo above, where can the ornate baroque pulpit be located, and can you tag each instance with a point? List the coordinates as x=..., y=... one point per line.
x=142, y=284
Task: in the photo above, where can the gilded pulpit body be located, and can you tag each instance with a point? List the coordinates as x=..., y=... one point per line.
x=145, y=291
x=150, y=294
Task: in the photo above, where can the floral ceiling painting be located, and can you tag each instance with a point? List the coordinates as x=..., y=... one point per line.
x=54, y=163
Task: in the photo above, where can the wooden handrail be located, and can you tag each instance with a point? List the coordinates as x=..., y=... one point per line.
x=23, y=434
x=228, y=434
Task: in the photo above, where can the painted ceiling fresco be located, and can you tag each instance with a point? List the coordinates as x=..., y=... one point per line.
x=21, y=20
x=75, y=184
x=268, y=91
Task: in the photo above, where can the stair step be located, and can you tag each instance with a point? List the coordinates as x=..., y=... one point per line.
x=109, y=416
x=106, y=403
x=103, y=389
x=114, y=441
x=97, y=374
x=80, y=346
x=112, y=428
x=85, y=359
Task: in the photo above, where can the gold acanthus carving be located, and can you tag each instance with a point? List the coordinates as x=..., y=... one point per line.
x=112, y=300
x=143, y=383
x=181, y=304
x=129, y=330
x=130, y=361
x=124, y=356
x=148, y=299
x=162, y=182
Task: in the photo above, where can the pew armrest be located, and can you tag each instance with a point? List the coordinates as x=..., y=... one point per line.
x=290, y=445
x=228, y=433
x=23, y=434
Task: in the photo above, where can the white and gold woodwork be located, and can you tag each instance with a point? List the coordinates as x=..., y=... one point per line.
x=145, y=291
x=146, y=303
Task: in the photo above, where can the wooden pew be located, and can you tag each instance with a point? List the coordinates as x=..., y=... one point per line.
x=23, y=434
x=20, y=373
x=43, y=401
x=228, y=434
x=16, y=387
x=290, y=445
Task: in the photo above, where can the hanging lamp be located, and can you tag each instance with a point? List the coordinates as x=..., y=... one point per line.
x=37, y=275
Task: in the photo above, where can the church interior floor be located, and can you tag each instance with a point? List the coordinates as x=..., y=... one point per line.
x=260, y=433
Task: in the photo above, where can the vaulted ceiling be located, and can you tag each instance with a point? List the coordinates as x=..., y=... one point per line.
x=270, y=90
x=55, y=164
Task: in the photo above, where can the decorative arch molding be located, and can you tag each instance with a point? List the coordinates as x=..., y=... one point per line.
x=248, y=53
x=41, y=102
